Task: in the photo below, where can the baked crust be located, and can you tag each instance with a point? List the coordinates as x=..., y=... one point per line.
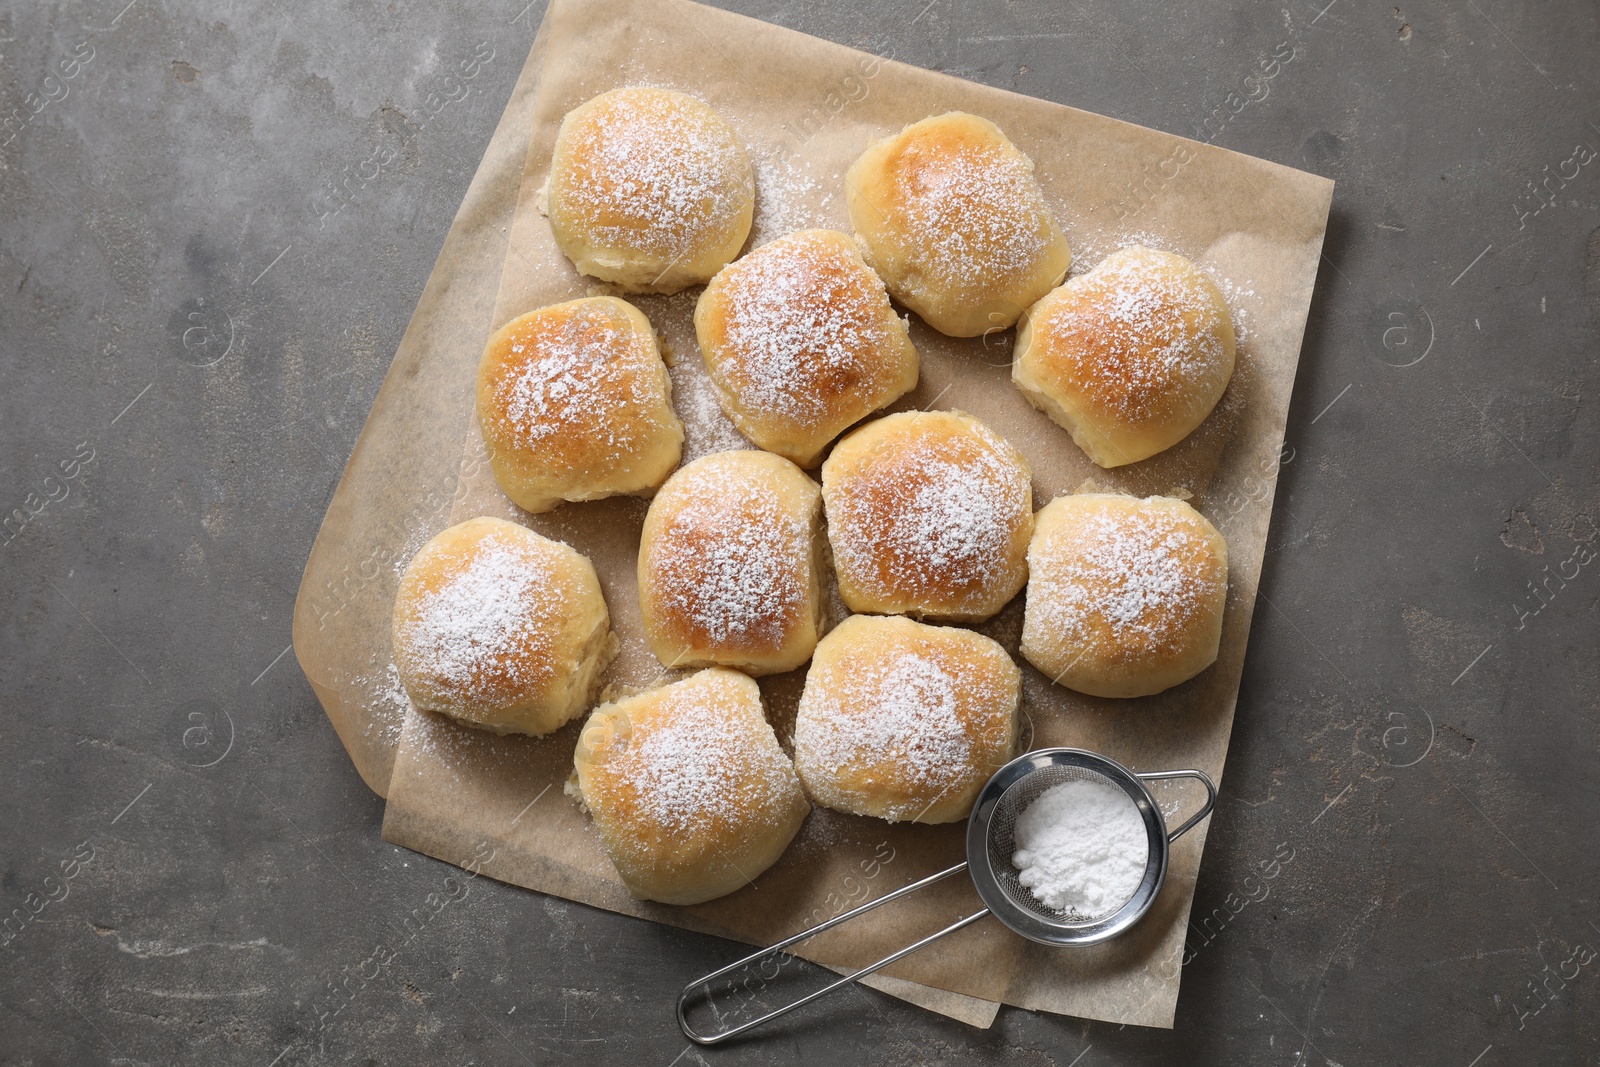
x=730, y=565
x=801, y=342
x=1131, y=357
x=501, y=628
x=929, y=515
x=690, y=793
x=649, y=189
x=953, y=220
x=903, y=721
x=1125, y=596
x=575, y=404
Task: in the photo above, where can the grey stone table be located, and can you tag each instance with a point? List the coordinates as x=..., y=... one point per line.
x=1402, y=868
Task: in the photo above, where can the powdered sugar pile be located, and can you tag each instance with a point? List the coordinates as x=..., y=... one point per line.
x=735, y=571
x=483, y=636
x=649, y=174
x=806, y=329
x=1081, y=848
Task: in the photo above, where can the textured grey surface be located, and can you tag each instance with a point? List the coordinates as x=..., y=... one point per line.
x=183, y=304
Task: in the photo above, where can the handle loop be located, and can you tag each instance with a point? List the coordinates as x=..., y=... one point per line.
x=1211, y=797
x=721, y=1036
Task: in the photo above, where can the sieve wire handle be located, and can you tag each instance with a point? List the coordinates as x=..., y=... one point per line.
x=723, y=1035
x=1211, y=797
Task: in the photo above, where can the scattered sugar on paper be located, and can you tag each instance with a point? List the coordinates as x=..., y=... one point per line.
x=439, y=744
x=1238, y=299
x=785, y=189
x=387, y=702
x=1081, y=848
x=706, y=428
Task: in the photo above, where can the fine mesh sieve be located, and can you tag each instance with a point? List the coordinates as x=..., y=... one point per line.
x=991, y=829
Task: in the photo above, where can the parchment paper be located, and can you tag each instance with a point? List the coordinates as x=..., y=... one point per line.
x=806, y=108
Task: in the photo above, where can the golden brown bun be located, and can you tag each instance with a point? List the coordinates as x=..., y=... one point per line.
x=953, y=219
x=801, y=342
x=929, y=514
x=1125, y=596
x=691, y=794
x=904, y=721
x=500, y=628
x=575, y=404
x=1129, y=357
x=731, y=563
x=649, y=190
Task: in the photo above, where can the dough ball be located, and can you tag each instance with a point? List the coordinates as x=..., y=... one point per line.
x=649, y=190
x=1125, y=596
x=731, y=563
x=801, y=342
x=904, y=721
x=575, y=404
x=1130, y=357
x=929, y=514
x=688, y=788
x=953, y=219
x=500, y=628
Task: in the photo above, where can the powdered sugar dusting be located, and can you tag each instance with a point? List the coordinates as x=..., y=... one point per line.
x=976, y=212
x=920, y=522
x=810, y=335
x=483, y=637
x=580, y=380
x=1128, y=578
x=905, y=714
x=647, y=171
x=1096, y=245
x=732, y=561
x=1132, y=335
x=904, y=721
x=699, y=759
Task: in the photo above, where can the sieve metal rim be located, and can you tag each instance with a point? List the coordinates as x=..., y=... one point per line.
x=1033, y=926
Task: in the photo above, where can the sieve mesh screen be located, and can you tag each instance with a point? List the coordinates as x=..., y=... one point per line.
x=1002, y=844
